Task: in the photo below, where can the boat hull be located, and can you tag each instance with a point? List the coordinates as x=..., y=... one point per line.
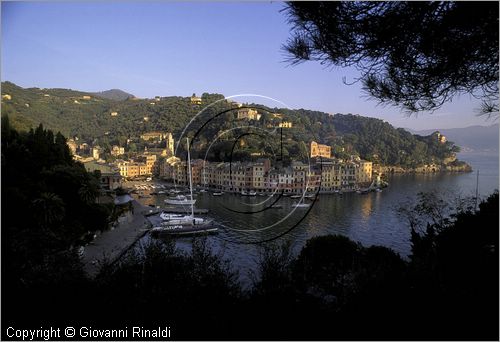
x=179, y=229
x=180, y=202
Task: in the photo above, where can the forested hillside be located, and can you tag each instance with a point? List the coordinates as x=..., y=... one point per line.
x=110, y=121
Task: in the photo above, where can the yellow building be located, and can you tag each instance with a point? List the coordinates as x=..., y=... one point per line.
x=248, y=114
x=319, y=150
x=6, y=97
x=285, y=124
x=86, y=97
x=133, y=169
x=153, y=136
x=195, y=100
x=96, y=152
x=364, y=172
x=117, y=151
x=441, y=138
x=149, y=161
x=72, y=146
x=114, y=113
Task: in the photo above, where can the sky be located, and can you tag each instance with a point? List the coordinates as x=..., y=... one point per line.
x=177, y=49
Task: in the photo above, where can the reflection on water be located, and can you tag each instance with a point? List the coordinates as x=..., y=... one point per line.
x=366, y=207
x=369, y=219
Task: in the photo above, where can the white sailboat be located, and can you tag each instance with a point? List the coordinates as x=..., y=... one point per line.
x=188, y=224
x=181, y=200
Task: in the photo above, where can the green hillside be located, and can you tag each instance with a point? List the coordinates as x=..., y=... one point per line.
x=90, y=119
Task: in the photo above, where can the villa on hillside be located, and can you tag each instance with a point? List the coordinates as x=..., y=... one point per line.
x=248, y=114
x=319, y=150
x=195, y=100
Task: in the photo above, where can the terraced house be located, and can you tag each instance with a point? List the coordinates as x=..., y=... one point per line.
x=327, y=175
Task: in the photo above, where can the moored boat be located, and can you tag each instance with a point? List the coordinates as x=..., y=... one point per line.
x=180, y=200
x=185, y=229
x=188, y=224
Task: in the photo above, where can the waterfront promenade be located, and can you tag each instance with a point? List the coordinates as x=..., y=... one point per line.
x=111, y=244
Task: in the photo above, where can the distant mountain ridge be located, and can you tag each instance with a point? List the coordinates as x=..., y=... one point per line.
x=114, y=94
x=470, y=139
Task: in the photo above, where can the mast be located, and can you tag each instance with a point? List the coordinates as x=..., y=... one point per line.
x=190, y=180
x=477, y=189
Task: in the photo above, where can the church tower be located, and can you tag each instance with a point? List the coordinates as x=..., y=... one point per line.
x=170, y=144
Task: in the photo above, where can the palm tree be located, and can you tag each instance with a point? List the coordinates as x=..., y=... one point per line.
x=87, y=193
x=49, y=209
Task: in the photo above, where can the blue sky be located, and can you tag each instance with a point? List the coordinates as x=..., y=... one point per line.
x=169, y=48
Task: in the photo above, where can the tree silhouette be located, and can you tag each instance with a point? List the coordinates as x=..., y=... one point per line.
x=49, y=209
x=415, y=55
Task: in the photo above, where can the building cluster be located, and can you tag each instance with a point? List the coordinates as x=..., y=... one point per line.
x=326, y=175
x=149, y=162
x=143, y=164
x=84, y=152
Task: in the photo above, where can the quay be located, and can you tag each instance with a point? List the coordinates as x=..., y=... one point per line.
x=111, y=245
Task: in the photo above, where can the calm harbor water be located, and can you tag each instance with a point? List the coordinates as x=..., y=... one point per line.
x=370, y=219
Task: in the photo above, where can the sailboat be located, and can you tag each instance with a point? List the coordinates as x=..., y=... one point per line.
x=180, y=200
x=189, y=224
